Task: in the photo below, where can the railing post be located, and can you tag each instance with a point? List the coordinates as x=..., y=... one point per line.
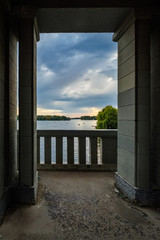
x=93, y=150
x=48, y=150
x=82, y=150
x=70, y=150
x=59, y=146
x=109, y=150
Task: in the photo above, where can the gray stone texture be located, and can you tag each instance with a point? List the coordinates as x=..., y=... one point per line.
x=155, y=103
x=8, y=101
x=28, y=102
x=109, y=150
x=143, y=197
x=4, y=202
x=126, y=98
x=2, y=82
x=134, y=101
x=12, y=110
x=8, y=107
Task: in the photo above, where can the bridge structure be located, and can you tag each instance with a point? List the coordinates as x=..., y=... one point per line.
x=135, y=26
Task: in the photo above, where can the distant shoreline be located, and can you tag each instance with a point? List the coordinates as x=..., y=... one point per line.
x=53, y=119
x=66, y=119
x=62, y=118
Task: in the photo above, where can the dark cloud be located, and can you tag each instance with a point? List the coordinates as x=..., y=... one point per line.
x=76, y=71
x=61, y=49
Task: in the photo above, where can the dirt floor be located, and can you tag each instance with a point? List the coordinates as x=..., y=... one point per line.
x=80, y=206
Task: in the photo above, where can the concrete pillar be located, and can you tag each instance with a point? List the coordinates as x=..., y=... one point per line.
x=8, y=105
x=2, y=82
x=155, y=103
x=133, y=175
x=27, y=106
x=11, y=104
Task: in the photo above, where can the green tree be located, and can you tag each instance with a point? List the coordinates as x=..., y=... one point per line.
x=107, y=118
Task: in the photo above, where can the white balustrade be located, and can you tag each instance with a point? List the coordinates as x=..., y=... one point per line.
x=94, y=150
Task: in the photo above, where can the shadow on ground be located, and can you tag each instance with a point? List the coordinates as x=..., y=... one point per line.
x=80, y=206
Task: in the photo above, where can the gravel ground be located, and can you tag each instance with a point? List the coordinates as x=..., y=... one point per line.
x=80, y=206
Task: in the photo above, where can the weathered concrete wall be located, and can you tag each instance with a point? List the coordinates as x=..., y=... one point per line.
x=134, y=101
x=8, y=101
x=155, y=103
x=2, y=80
x=35, y=100
x=12, y=108
x=27, y=102
x=138, y=123
x=126, y=104
x=143, y=26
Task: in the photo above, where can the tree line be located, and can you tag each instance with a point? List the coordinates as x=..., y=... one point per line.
x=57, y=118
x=52, y=117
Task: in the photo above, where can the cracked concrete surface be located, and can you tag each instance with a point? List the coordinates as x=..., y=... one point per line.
x=78, y=206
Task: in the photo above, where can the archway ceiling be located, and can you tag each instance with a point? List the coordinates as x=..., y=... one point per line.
x=52, y=20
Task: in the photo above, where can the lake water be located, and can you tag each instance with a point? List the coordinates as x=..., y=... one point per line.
x=75, y=124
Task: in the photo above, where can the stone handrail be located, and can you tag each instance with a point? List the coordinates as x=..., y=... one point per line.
x=95, y=149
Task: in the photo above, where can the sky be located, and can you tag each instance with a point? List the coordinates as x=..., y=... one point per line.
x=77, y=73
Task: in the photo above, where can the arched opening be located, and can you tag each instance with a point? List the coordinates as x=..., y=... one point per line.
x=77, y=76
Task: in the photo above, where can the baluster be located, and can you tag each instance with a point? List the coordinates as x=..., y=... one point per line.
x=38, y=150
x=47, y=150
x=109, y=150
x=70, y=150
x=59, y=148
x=93, y=150
x=82, y=150
x=99, y=150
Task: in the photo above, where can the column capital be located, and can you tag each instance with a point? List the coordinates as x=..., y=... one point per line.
x=127, y=22
x=27, y=13
x=135, y=15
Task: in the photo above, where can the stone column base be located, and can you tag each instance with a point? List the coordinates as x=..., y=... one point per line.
x=145, y=197
x=24, y=194
x=4, y=202
x=17, y=195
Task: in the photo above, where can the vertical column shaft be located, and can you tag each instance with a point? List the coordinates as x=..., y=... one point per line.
x=27, y=102
x=134, y=101
x=142, y=95
x=2, y=100
x=155, y=103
